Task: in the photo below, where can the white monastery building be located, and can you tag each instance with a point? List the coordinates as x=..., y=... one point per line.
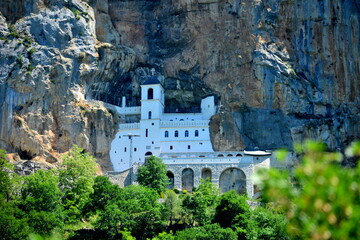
x=158, y=132
x=183, y=142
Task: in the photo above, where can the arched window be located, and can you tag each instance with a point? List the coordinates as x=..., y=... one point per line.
x=149, y=113
x=186, y=133
x=166, y=134
x=196, y=133
x=150, y=94
x=146, y=133
x=176, y=133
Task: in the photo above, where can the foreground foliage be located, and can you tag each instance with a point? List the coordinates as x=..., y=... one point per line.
x=321, y=198
x=73, y=203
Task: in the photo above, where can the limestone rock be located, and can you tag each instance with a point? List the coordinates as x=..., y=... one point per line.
x=50, y=58
x=281, y=71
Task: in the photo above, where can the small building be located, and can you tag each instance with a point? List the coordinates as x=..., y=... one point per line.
x=182, y=140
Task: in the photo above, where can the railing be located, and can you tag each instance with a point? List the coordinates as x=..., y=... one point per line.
x=210, y=158
x=198, y=123
x=129, y=110
x=202, y=155
x=125, y=126
x=207, y=161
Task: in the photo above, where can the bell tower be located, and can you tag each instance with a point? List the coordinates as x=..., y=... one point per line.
x=152, y=98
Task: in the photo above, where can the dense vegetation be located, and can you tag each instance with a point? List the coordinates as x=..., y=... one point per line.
x=72, y=203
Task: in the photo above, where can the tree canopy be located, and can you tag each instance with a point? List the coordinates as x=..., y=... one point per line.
x=153, y=174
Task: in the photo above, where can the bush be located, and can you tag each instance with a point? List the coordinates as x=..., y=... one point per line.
x=153, y=174
x=321, y=199
x=231, y=205
x=207, y=232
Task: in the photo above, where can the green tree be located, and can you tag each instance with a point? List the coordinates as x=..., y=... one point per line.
x=153, y=174
x=7, y=180
x=260, y=223
x=76, y=178
x=104, y=193
x=231, y=205
x=41, y=201
x=321, y=199
x=40, y=192
x=207, y=232
x=200, y=205
x=172, y=207
x=13, y=225
x=136, y=209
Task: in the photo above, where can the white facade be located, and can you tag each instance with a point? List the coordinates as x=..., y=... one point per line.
x=158, y=132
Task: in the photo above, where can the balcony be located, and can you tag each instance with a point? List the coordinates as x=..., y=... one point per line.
x=128, y=110
x=128, y=126
x=198, y=123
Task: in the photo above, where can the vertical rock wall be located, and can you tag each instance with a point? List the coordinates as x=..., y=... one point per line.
x=281, y=70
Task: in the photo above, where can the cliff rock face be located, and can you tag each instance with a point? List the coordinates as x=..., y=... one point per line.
x=50, y=57
x=281, y=70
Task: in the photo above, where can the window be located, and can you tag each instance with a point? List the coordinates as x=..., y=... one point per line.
x=171, y=147
x=134, y=149
x=176, y=133
x=186, y=133
x=124, y=149
x=196, y=133
x=149, y=114
x=146, y=132
x=150, y=94
x=166, y=134
x=189, y=146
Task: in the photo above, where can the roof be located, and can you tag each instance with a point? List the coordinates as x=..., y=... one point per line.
x=151, y=80
x=257, y=153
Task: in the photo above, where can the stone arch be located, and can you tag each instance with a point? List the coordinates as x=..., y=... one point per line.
x=206, y=173
x=187, y=179
x=171, y=177
x=232, y=179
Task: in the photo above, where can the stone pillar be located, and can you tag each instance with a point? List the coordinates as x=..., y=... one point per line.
x=250, y=187
x=215, y=175
x=177, y=179
x=197, y=176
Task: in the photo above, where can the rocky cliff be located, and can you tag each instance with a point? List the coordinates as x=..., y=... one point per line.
x=281, y=70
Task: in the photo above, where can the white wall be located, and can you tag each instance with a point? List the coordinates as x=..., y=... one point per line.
x=151, y=134
x=208, y=107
